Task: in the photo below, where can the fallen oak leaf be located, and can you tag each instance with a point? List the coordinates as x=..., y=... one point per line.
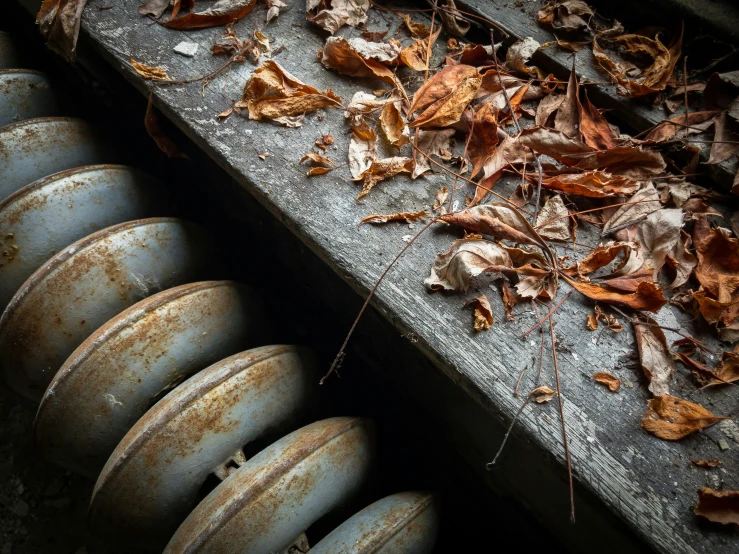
x=407, y=217
x=706, y=464
x=273, y=93
x=467, y=258
x=164, y=143
x=607, y=380
x=444, y=97
x=483, y=315
x=671, y=418
x=149, y=72
x=319, y=164
x=222, y=12
x=382, y=169
x=542, y=394
x=331, y=15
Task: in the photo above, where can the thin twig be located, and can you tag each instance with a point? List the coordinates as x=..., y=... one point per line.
x=551, y=312
x=520, y=375
x=340, y=355
x=490, y=465
x=562, y=419
x=464, y=156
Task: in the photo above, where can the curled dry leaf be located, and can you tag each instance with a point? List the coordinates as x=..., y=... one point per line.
x=432, y=143
x=601, y=256
x=273, y=9
x=671, y=418
x=629, y=161
x=149, y=72
x=567, y=119
x=59, y=24
x=553, y=221
x=454, y=24
x=646, y=295
x=484, y=137
x=706, y=464
x=675, y=128
x=607, y=380
x=443, y=98
x=568, y=15
x=727, y=369
x=319, y=164
x=519, y=54
x=394, y=125
x=595, y=130
x=644, y=202
x=382, y=169
x=608, y=320
x=548, y=105
x=593, y=184
x=164, y=143
x=726, y=143
x=222, y=12
x=555, y=144
x=418, y=29
x=718, y=265
x=414, y=56
x=359, y=58
x=331, y=15
x=648, y=80
x=466, y=259
x=407, y=217
x=542, y=394
x=483, y=315
x=273, y=93
x=441, y=196
x=701, y=373
x=654, y=356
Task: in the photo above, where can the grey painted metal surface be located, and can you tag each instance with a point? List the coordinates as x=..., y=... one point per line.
x=8, y=54
x=35, y=148
x=89, y=282
x=152, y=480
x=125, y=367
x=271, y=499
x=44, y=217
x=24, y=94
x=404, y=523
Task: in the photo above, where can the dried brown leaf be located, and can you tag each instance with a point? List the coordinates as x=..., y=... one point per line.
x=607, y=380
x=646, y=296
x=359, y=58
x=484, y=137
x=553, y=221
x=466, y=259
x=164, y=143
x=726, y=143
x=706, y=464
x=593, y=184
x=674, y=128
x=59, y=23
x=596, y=131
x=222, y=12
x=718, y=506
x=394, y=125
x=382, y=169
x=432, y=143
x=319, y=164
x=443, y=98
x=601, y=256
x=149, y=72
x=331, y=15
x=654, y=356
x=670, y=418
x=415, y=28
x=568, y=15
x=154, y=7
x=453, y=23
x=547, y=107
x=520, y=53
x=543, y=394
x=567, y=119
x=414, y=56
x=441, y=196
x=483, y=315
x=645, y=201
x=407, y=217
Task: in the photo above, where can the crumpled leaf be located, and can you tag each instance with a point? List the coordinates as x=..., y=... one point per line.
x=629, y=161
x=543, y=394
x=466, y=259
x=407, y=217
x=394, y=125
x=727, y=369
x=645, y=201
x=359, y=58
x=382, y=169
x=674, y=128
x=150, y=72
x=593, y=184
x=555, y=144
x=607, y=380
x=164, y=143
x=273, y=9
x=415, y=28
x=520, y=53
x=599, y=257
x=319, y=164
x=569, y=15
x=671, y=418
x=222, y=12
x=726, y=143
x=654, y=356
x=454, y=25
x=700, y=372
x=414, y=56
x=362, y=147
x=59, y=24
x=567, y=119
x=599, y=316
x=553, y=221
x=706, y=464
x=483, y=315
x=718, y=265
x=718, y=506
x=432, y=143
x=595, y=130
x=632, y=80
x=443, y=98
x=484, y=137
x=441, y=195
x=331, y=15
x=548, y=105
x=273, y=93
x=646, y=296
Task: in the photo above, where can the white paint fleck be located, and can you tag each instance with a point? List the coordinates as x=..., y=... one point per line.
x=185, y=48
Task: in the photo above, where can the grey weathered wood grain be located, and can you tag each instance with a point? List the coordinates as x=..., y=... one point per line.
x=648, y=483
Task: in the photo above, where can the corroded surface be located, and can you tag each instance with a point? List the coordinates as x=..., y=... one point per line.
x=25, y=94
x=86, y=284
x=128, y=364
x=265, y=504
x=151, y=481
x=44, y=217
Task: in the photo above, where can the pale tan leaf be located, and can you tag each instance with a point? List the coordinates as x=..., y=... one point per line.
x=670, y=418
x=149, y=72
x=543, y=394
x=607, y=380
x=654, y=356
x=520, y=53
x=382, y=169
x=553, y=222
x=407, y=217
x=331, y=15
x=431, y=143
x=466, y=259
x=482, y=314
